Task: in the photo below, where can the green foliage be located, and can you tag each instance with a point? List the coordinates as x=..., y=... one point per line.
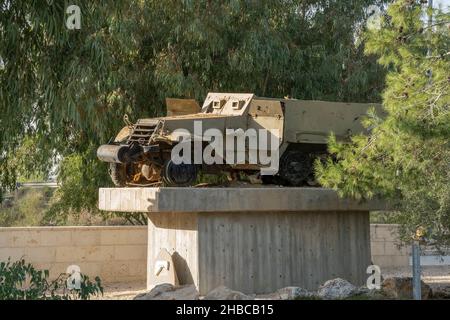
x=384, y=217
x=21, y=281
x=406, y=157
x=29, y=211
x=64, y=92
x=212, y=179
x=80, y=177
x=38, y=207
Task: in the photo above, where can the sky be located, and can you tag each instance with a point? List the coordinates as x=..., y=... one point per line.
x=445, y=4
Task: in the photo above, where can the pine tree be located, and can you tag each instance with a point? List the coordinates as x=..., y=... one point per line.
x=406, y=157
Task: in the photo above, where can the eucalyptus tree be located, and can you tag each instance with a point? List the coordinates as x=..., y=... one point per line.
x=63, y=92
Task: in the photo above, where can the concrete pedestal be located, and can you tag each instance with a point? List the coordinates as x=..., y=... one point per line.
x=254, y=240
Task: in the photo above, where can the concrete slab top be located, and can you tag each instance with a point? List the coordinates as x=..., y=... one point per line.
x=263, y=199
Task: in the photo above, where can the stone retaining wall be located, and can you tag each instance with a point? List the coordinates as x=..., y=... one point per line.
x=385, y=252
x=119, y=254
x=116, y=254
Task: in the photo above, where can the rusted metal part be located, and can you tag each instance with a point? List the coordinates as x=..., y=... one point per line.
x=151, y=172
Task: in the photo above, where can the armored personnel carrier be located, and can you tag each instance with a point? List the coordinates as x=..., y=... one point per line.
x=297, y=131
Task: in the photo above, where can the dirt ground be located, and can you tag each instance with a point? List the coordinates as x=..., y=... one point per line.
x=436, y=277
x=122, y=291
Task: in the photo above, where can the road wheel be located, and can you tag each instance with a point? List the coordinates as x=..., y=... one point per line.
x=180, y=175
x=297, y=168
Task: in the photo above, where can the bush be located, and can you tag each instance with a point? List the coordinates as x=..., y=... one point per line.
x=21, y=281
x=26, y=208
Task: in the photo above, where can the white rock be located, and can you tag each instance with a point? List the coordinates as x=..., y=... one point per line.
x=223, y=293
x=336, y=289
x=168, y=291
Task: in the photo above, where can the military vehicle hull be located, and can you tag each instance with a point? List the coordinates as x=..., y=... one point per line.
x=297, y=133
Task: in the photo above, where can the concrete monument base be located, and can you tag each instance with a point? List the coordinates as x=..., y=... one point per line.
x=254, y=240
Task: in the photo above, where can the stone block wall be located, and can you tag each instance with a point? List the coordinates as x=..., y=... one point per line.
x=116, y=254
x=119, y=253
x=384, y=247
